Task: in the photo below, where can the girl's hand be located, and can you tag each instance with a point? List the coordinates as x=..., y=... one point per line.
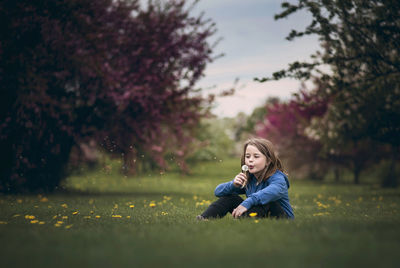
x=237, y=212
x=240, y=180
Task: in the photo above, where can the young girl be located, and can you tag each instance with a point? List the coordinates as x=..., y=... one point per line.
x=265, y=185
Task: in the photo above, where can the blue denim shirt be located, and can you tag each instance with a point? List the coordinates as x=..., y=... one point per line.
x=275, y=188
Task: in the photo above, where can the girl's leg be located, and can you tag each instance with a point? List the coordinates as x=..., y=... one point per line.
x=222, y=206
x=272, y=210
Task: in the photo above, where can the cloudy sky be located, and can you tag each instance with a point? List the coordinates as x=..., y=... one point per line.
x=254, y=45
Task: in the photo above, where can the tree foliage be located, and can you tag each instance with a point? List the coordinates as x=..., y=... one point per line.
x=360, y=63
x=110, y=70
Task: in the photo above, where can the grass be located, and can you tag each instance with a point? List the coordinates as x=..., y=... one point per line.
x=336, y=225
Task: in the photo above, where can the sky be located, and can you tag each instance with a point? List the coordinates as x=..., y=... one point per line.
x=254, y=45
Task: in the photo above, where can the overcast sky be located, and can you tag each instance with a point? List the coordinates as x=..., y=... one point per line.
x=254, y=45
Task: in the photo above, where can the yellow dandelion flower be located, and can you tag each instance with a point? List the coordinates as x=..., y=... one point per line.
x=60, y=222
x=44, y=199
x=64, y=205
x=91, y=212
x=86, y=217
x=54, y=217
x=164, y=213
x=98, y=217
x=152, y=205
x=132, y=206
x=253, y=214
x=256, y=221
x=57, y=225
x=29, y=217
x=42, y=222
x=34, y=221
x=116, y=216
x=35, y=206
x=68, y=226
x=75, y=213
x=3, y=222
x=64, y=217
x=128, y=217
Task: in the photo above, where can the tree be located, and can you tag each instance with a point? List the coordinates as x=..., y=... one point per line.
x=360, y=45
x=74, y=70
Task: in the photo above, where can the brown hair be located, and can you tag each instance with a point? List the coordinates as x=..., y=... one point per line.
x=266, y=148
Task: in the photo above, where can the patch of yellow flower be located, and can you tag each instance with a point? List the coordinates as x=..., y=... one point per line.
x=203, y=202
x=86, y=217
x=128, y=217
x=152, y=205
x=256, y=221
x=44, y=199
x=132, y=206
x=34, y=221
x=42, y=222
x=116, y=216
x=68, y=226
x=75, y=213
x=98, y=217
x=164, y=213
x=320, y=205
x=64, y=217
x=64, y=205
x=29, y=217
x=321, y=214
x=253, y=214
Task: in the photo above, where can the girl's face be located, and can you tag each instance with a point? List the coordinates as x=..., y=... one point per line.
x=254, y=159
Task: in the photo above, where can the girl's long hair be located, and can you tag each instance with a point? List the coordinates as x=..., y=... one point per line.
x=266, y=148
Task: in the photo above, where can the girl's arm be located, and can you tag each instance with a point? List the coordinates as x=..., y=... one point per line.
x=227, y=188
x=276, y=190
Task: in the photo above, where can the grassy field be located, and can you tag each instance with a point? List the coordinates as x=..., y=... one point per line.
x=107, y=220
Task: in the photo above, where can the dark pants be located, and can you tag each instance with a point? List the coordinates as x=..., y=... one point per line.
x=226, y=204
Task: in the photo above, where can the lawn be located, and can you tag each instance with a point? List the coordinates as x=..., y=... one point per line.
x=108, y=220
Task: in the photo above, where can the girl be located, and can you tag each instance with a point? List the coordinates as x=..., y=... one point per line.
x=265, y=185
